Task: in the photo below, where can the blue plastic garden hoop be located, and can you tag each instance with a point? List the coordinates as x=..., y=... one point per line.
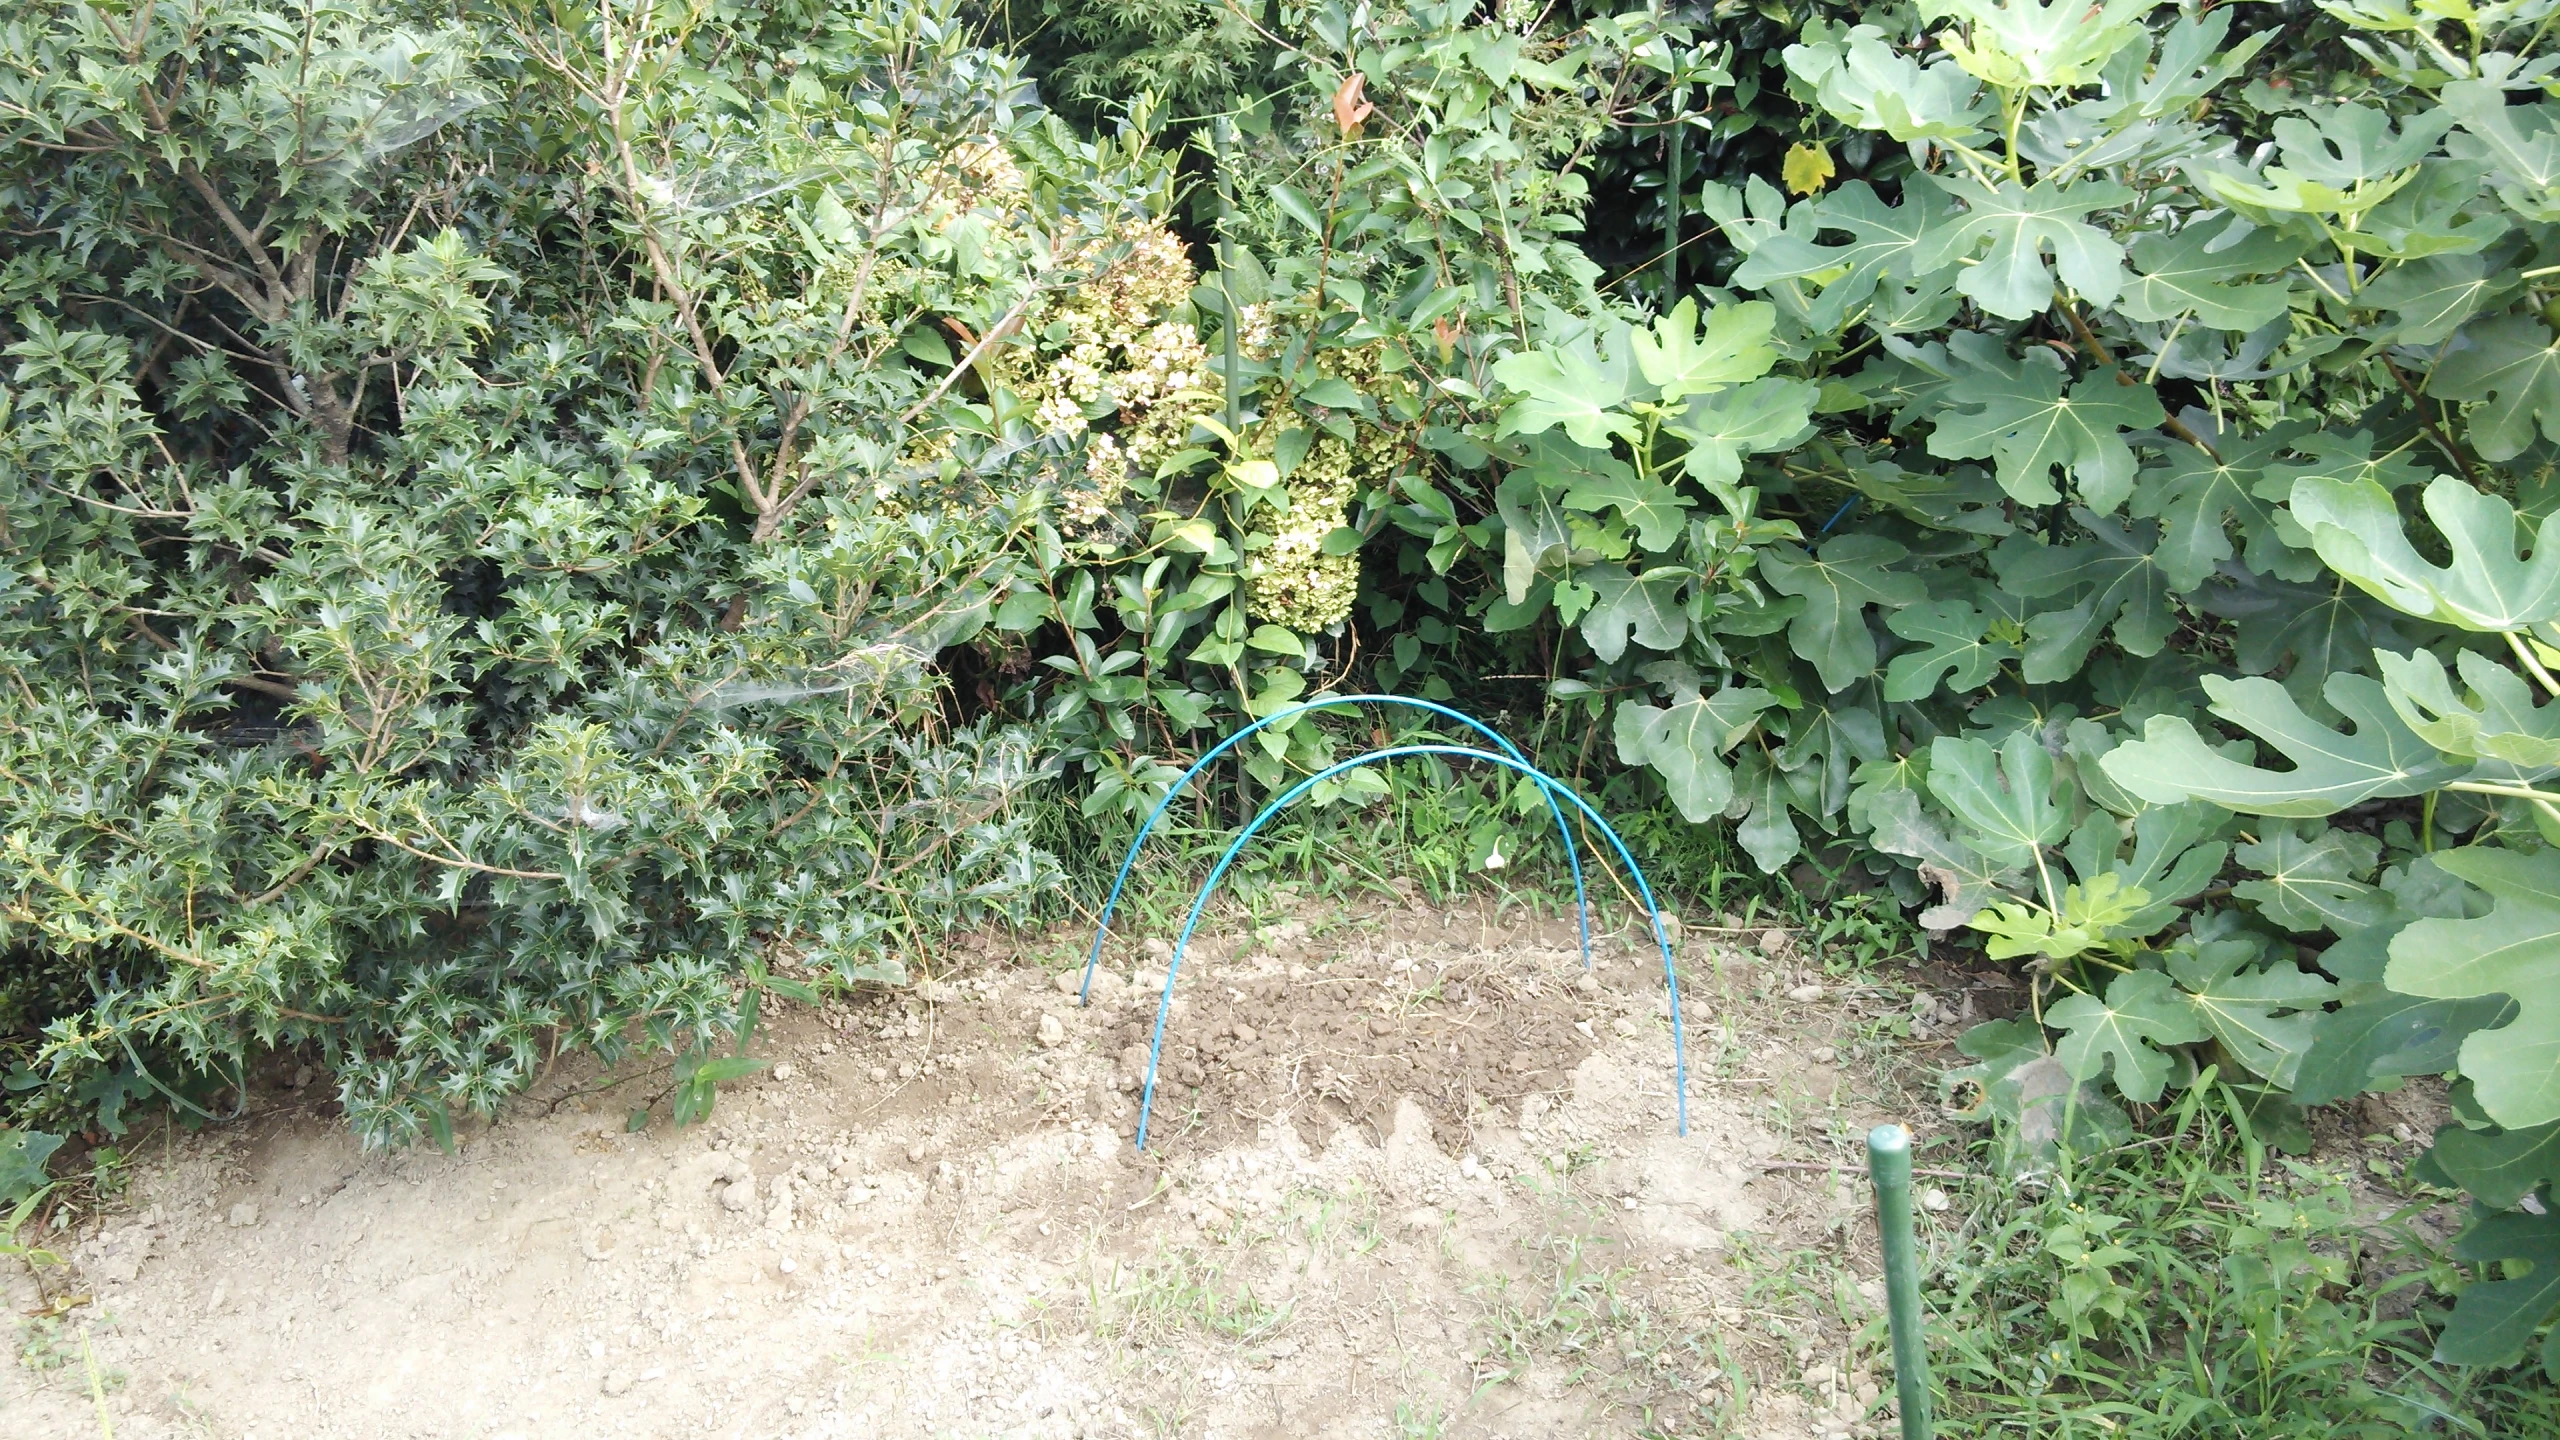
x=1564, y=832
x=1552, y=786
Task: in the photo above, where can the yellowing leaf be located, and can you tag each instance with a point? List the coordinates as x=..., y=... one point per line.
x=1808, y=168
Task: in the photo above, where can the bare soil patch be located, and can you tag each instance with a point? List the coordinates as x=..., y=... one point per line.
x=1412, y=1173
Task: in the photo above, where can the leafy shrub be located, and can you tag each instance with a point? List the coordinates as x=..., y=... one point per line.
x=487, y=578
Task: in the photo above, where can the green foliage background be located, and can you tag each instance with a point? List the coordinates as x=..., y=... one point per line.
x=530, y=526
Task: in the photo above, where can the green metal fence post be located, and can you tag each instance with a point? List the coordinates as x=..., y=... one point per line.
x=1889, y=1162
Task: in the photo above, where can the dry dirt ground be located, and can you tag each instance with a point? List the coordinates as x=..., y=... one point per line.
x=1412, y=1174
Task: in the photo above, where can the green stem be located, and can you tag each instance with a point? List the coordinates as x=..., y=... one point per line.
x=1226, y=292
x=2532, y=662
x=1675, y=163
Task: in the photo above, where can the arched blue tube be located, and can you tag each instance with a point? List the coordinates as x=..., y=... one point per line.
x=1553, y=788
x=1564, y=832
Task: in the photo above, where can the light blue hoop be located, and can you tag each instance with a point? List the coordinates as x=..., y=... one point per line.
x=1553, y=788
x=1564, y=832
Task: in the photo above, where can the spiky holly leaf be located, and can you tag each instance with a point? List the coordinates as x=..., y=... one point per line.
x=2494, y=1320
x=2142, y=1011
x=2315, y=880
x=2019, y=223
x=1837, y=583
x=2332, y=769
x=2005, y=798
x=2263, y=1016
x=2493, y=717
x=2514, y=950
x=1684, y=742
x=2488, y=586
x=1955, y=648
x=2031, y=427
x=2511, y=364
x=2192, y=273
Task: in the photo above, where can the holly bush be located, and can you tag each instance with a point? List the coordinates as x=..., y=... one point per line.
x=534, y=526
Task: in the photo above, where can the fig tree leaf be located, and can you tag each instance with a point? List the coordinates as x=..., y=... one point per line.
x=1955, y=649
x=1684, y=741
x=1864, y=81
x=2488, y=586
x=2494, y=1320
x=1764, y=797
x=2263, y=1016
x=2514, y=950
x=2332, y=768
x=1750, y=420
x=1681, y=360
x=1882, y=239
x=1576, y=385
x=2498, y=1167
x=2030, y=427
x=23, y=1154
x=1837, y=583
x=1535, y=532
x=2142, y=1011
x=2429, y=298
x=2511, y=365
x=2004, y=797
x=2492, y=717
x=1807, y=168
x=2517, y=147
x=1655, y=510
x=2112, y=581
x=2089, y=915
x=1966, y=879
x=1647, y=605
x=2196, y=497
x=2376, y=1035
x=2191, y=273
x=2314, y=882
x=2020, y=223
x=2175, y=856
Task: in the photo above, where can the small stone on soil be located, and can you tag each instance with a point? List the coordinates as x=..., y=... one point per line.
x=1805, y=994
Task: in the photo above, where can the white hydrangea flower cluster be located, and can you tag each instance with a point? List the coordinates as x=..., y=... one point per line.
x=1291, y=582
x=1118, y=352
